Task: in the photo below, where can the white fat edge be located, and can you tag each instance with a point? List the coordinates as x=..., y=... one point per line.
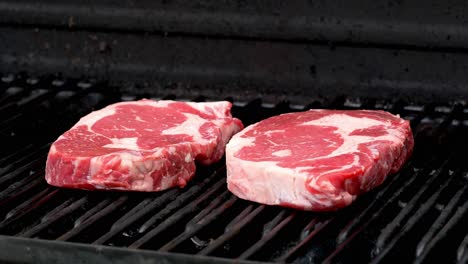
x=343, y=129
x=327, y=184
x=270, y=187
x=282, y=153
x=351, y=143
x=90, y=119
x=351, y=124
x=172, y=150
x=53, y=149
x=61, y=137
x=131, y=157
x=99, y=186
x=278, y=184
x=93, y=168
x=216, y=108
x=238, y=142
x=167, y=181
x=247, y=129
x=188, y=158
x=76, y=164
x=96, y=163
x=144, y=184
x=275, y=189
x=256, y=169
x=160, y=103
x=227, y=131
x=152, y=163
x=193, y=124
x=150, y=102
x=128, y=159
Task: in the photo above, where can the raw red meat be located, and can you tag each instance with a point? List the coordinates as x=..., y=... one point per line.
x=141, y=146
x=317, y=160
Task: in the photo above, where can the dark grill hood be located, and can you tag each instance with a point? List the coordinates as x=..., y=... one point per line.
x=257, y=48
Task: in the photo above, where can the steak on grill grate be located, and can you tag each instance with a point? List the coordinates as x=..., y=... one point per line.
x=142, y=146
x=316, y=160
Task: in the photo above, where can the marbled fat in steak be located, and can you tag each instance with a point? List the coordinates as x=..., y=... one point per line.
x=317, y=160
x=141, y=146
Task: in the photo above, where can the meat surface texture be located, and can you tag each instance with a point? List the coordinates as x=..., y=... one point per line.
x=141, y=146
x=317, y=160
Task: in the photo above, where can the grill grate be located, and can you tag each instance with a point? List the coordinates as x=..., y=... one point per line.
x=415, y=216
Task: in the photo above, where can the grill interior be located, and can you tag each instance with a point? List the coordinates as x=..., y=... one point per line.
x=417, y=215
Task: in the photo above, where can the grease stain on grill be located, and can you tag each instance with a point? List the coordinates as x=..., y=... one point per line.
x=401, y=204
x=58, y=82
x=439, y=207
x=84, y=84
x=200, y=243
x=8, y=78
x=129, y=233
x=32, y=81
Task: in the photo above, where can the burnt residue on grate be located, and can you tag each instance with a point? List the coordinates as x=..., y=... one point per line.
x=417, y=215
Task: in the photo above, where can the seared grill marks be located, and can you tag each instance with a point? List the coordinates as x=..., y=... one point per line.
x=415, y=216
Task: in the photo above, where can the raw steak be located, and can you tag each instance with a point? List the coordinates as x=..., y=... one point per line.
x=140, y=146
x=317, y=160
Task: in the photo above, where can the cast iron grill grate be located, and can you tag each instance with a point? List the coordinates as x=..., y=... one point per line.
x=414, y=217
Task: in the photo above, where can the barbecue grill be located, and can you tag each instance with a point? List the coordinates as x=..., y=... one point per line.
x=60, y=61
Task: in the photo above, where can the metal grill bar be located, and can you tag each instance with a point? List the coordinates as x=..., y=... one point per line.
x=231, y=232
x=462, y=248
x=387, y=191
x=10, y=172
x=28, y=206
x=448, y=210
x=203, y=213
x=18, y=189
x=136, y=213
x=19, y=155
x=92, y=219
x=16, y=155
x=425, y=207
x=449, y=226
x=92, y=212
x=192, y=206
x=269, y=233
x=239, y=217
x=64, y=209
x=316, y=227
x=392, y=228
x=198, y=223
x=182, y=199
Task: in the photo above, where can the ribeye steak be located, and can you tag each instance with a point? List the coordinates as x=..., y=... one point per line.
x=316, y=160
x=142, y=145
